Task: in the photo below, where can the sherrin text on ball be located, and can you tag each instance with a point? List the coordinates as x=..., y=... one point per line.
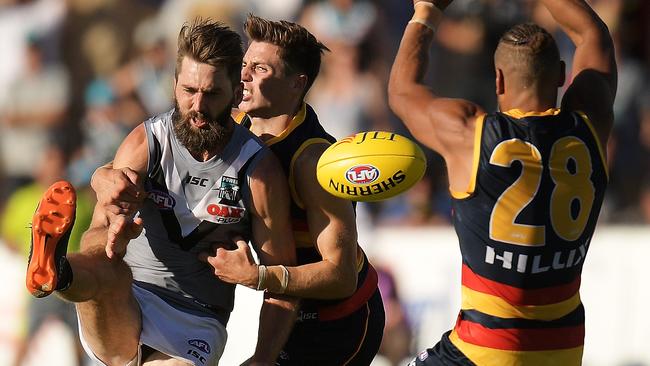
x=371, y=166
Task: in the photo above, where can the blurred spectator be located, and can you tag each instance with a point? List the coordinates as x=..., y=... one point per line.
x=174, y=13
x=102, y=130
x=462, y=42
x=13, y=303
x=633, y=177
x=17, y=235
x=17, y=214
x=149, y=75
x=344, y=20
x=645, y=202
x=348, y=96
x=36, y=104
x=276, y=9
x=95, y=40
x=419, y=206
x=348, y=99
x=628, y=154
x=18, y=19
x=397, y=341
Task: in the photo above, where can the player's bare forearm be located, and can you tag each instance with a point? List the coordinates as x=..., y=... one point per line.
x=322, y=280
x=411, y=61
x=407, y=95
x=277, y=316
x=576, y=18
x=594, y=46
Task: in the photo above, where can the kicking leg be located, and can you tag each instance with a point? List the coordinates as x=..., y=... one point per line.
x=108, y=313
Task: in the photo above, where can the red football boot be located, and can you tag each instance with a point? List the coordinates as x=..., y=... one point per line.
x=48, y=269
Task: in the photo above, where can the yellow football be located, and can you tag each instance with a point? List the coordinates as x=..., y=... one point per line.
x=371, y=166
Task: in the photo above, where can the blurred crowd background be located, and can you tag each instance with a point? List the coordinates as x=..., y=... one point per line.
x=77, y=75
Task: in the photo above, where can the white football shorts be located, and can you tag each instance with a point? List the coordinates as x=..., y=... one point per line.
x=197, y=340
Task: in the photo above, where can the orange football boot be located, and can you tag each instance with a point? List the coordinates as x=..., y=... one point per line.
x=48, y=269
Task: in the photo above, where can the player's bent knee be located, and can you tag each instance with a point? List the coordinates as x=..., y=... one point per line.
x=161, y=359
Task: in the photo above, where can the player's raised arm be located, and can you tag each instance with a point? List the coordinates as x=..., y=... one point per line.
x=443, y=124
x=272, y=234
x=594, y=66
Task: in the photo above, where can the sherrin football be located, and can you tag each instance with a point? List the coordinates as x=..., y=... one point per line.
x=370, y=166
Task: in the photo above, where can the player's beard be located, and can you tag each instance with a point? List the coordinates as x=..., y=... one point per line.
x=198, y=140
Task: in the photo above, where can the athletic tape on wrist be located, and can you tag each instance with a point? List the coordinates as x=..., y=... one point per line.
x=285, y=279
x=424, y=23
x=427, y=15
x=261, y=277
x=425, y=3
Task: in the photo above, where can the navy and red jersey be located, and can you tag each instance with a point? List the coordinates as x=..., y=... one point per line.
x=524, y=227
x=303, y=131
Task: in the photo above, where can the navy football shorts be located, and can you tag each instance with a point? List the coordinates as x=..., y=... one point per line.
x=442, y=354
x=352, y=340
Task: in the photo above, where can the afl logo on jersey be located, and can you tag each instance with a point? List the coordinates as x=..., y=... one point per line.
x=163, y=200
x=362, y=174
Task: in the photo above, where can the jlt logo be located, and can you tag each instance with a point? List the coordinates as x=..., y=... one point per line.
x=375, y=135
x=362, y=174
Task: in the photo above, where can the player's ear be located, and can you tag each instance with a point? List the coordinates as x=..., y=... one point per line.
x=300, y=82
x=499, y=82
x=562, y=78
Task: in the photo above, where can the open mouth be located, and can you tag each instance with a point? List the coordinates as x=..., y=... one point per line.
x=246, y=96
x=198, y=122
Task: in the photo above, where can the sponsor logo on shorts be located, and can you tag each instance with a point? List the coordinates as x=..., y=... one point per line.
x=307, y=316
x=163, y=200
x=198, y=356
x=200, y=344
x=283, y=355
x=362, y=174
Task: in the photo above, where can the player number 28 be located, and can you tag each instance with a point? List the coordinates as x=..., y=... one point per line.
x=570, y=169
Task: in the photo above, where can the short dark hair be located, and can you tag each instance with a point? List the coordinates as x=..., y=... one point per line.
x=530, y=50
x=213, y=43
x=299, y=50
